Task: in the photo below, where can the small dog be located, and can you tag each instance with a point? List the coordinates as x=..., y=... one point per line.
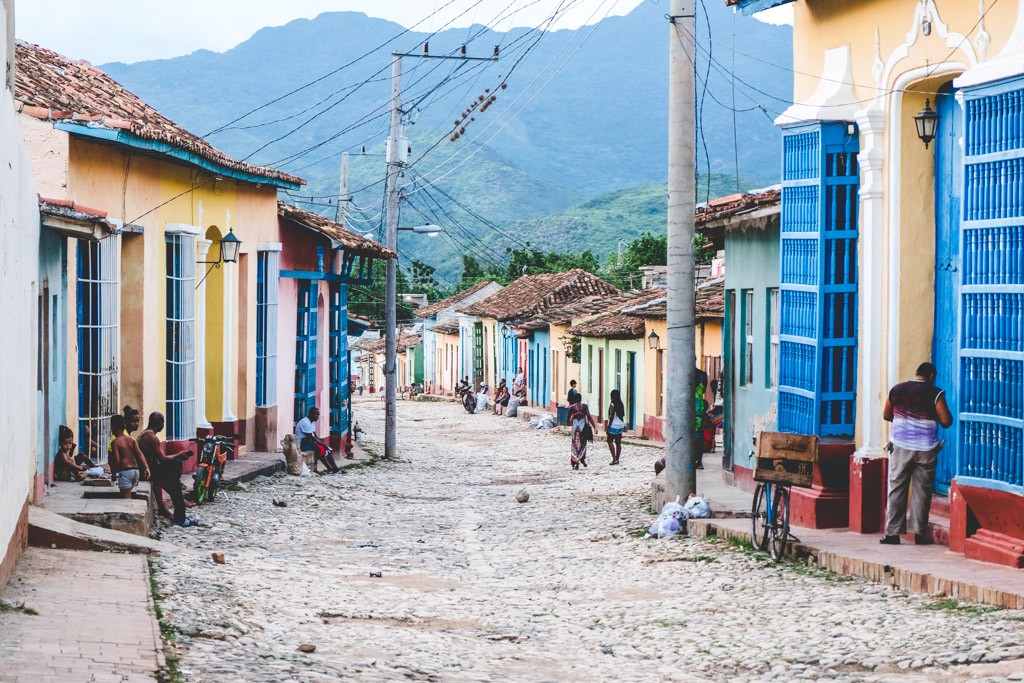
x=292, y=454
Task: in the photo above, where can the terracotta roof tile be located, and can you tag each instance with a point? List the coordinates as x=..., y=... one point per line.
x=709, y=303
x=734, y=204
x=356, y=244
x=52, y=87
x=533, y=294
x=447, y=327
x=405, y=340
x=589, y=306
x=616, y=324
x=433, y=309
x=65, y=208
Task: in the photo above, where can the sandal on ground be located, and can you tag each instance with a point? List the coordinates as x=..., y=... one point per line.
x=187, y=522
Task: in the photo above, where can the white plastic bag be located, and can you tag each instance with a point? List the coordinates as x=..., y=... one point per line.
x=670, y=521
x=534, y=422
x=513, y=407
x=305, y=471
x=697, y=508
x=94, y=472
x=546, y=422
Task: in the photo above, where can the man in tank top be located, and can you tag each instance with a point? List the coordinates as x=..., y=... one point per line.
x=916, y=409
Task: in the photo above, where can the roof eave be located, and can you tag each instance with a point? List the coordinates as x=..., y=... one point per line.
x=122, y=137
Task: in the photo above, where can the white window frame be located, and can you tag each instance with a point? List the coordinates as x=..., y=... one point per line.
x=747, y=377
x=181, y=327
x=773, y=338
x=267, y=302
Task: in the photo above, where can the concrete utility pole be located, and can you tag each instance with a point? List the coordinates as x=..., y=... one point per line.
x=390, y=305
x=681, y=478
x=396, y=162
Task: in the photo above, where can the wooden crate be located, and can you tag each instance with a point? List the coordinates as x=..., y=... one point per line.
x=786, y=459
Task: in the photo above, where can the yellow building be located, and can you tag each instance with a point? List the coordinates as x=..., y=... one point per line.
x=906, y=126
x=165, y=311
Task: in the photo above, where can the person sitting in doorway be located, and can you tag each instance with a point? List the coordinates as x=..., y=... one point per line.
x=67, y=465
x=574, y=396
x=501, y=397
x=305, y=432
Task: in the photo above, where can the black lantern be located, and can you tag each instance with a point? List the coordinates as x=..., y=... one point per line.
x=229, y=246
x=505, y=332
x=927, y=121
x=653, y=341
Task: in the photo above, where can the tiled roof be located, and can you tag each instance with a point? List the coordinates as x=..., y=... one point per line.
x=736, y=204
x=51, y=87
x=404, y=341
x=532, y=294
x=448, y=327
x=589, y=306
x=63, y=208
x=356, y=244
x=616, y=324
x=438, y=306
x=708, y=305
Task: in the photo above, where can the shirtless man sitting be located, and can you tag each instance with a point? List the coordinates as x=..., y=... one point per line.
x=126, y=460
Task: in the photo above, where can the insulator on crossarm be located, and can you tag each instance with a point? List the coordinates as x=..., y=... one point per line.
x=496, y=49
x=426, y=48
x=463, y=50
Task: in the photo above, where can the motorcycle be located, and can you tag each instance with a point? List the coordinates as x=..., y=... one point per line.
x=468, y=398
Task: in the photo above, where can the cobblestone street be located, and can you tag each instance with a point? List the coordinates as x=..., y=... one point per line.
x=474, y=586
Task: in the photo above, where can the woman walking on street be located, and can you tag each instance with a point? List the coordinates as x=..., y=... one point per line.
x=581, y=429
x=616, y=425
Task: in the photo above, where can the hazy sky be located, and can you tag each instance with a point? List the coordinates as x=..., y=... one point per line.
x=134, y=30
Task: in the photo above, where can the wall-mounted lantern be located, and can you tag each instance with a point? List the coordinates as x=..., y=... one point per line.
x=653, y=341
x=927, y=121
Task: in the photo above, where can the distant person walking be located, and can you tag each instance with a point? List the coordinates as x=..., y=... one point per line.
x=916, y=409
x=581, y=431
x=616, y=425
x=574, y=396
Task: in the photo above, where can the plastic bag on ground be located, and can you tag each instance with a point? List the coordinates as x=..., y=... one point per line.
x=697, y=508
x=305, y=471
x=513, y=407
x=670, y=521
x=546, y=422
x=534, y=422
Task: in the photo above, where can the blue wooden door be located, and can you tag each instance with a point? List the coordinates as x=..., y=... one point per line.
x=991, y=297
x=305, y=348
x=948, y=160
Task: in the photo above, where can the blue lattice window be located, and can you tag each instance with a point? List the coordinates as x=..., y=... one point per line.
x=818, y=290
x=991, y=295
x=338, y=353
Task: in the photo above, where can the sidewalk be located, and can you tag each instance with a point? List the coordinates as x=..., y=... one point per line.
x=95, y=621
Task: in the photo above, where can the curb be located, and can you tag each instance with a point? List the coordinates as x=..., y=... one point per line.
x=904, y=579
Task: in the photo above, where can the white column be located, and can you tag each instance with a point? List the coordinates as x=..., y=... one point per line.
x=229, y=340
x=872, y=299
x=202, y=249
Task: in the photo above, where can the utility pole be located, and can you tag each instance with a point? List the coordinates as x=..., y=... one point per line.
x=396, y=162
x=681, y=479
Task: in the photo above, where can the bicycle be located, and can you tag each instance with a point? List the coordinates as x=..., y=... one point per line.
x=213, y=453
x=769, y=523
x=783, y=460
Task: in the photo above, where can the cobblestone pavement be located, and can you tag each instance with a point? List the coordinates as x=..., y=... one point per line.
x=476, y=587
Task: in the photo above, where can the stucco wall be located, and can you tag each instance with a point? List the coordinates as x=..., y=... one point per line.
x=753, y=263
x=19, y=279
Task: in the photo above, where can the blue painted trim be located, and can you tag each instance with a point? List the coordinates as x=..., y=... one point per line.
x=304, y=274
x=991, y=484
x=992, y=419
x=123, y=138
x=748, y=7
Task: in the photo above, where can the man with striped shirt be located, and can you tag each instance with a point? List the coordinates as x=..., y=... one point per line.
x=916, y=409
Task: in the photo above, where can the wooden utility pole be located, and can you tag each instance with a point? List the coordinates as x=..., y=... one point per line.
x=681, y=478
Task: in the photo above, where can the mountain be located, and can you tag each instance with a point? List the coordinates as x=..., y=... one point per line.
x=583, y=113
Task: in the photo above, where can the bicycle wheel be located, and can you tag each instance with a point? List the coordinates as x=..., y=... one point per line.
x=779, y=526
x=759, y=519
x=200, y=491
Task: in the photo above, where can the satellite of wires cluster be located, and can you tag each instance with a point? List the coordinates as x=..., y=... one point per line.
x=481, y=104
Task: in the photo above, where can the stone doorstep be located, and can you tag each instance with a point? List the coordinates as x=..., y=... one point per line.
x=938, y=573
x=48, y=529
x=102, y=507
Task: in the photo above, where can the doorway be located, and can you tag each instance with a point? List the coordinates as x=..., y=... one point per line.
x=630, y=390
x=948, y=191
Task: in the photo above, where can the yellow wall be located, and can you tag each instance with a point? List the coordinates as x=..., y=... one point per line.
x=659, y=327
x=708, y=339
x=563, y=369
x=150, y=192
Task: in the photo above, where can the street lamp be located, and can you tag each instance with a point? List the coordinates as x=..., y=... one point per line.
x=430, y=230
x=653, y=341
x=229, y=248
x=927, y=121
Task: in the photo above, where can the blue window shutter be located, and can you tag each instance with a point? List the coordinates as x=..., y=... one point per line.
x=338, y=353
x=818, y=288
x=991, y=298
x=305, y=348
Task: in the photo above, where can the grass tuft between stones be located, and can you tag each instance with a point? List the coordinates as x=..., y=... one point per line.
x=6, y=607
x=954, y=605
